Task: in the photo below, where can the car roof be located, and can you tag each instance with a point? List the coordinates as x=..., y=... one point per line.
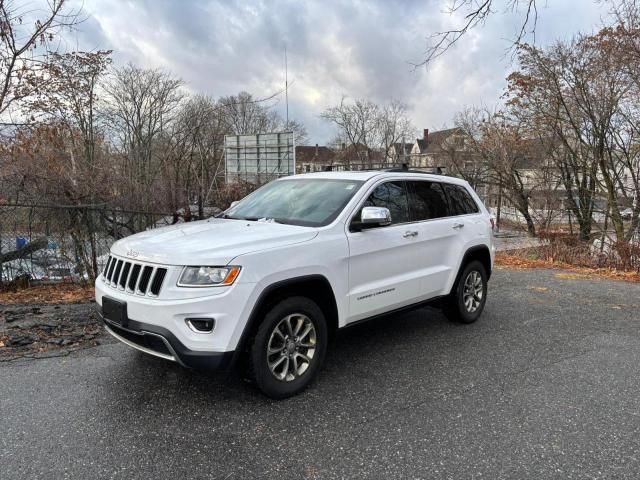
x=369, y=174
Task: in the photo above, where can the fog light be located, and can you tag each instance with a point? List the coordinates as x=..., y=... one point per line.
x=201, y=325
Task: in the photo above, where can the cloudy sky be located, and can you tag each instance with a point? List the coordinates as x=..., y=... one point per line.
x=335, y=47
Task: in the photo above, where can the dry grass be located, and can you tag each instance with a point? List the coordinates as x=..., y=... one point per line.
x=566, y=251
x=527, y=258
x=52, y=293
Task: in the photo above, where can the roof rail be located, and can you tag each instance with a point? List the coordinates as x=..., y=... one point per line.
x=405, y=169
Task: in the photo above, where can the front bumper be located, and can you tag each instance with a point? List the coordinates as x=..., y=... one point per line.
x=160, y=342
x=228, y=306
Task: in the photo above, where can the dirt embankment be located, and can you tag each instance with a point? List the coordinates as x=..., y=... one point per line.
x=38, y=330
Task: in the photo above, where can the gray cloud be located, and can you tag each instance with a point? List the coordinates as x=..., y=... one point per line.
x=336, y=47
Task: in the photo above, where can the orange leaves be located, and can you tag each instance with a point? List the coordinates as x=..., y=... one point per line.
x=52, y=293
x=523, y=260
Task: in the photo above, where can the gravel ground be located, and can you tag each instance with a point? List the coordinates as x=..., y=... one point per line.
x=544, y=385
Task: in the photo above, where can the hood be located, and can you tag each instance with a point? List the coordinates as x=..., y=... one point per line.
x=214, y=241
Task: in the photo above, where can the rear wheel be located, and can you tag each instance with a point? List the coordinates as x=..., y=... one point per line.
x=289, y=347
x=468, y=297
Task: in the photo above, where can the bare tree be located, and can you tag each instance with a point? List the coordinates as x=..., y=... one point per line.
x=474, y=13
x=71, y=96
x=367, y=126
x=394, y=126
x=69, y=102
x=297, y=127
x=621, y=44
x=510, y=156
x=140, y=106
x=575, y=92
x=27, y=36
x=44, y=163
x=194, y=159
x=246, y=115
x=357, y=122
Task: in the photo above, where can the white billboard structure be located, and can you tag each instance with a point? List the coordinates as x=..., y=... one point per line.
x=259, y=158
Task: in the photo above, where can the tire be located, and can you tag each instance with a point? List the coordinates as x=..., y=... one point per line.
x=465, y=305
x=292, y=334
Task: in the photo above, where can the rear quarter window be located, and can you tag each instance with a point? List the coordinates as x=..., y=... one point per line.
x=460, y=201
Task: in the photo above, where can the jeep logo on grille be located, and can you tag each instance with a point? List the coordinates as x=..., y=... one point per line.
x=133, y=253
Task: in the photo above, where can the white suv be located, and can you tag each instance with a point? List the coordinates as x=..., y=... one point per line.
x=299, y=258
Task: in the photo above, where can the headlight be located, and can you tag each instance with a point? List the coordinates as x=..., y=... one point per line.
x=208, y=276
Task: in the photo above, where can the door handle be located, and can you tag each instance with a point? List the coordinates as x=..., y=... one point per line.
x=409, y=234
x=458, y=226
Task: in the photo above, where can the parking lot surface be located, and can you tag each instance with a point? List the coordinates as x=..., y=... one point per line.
x=544, y=385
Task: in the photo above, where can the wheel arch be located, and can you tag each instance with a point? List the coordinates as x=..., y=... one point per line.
x=315, y=287
x=478, y=252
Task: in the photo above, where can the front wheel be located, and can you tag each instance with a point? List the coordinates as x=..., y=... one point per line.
x=469, y=294
x=289, y=347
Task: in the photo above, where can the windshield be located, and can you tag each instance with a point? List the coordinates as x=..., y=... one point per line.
x=312, y=202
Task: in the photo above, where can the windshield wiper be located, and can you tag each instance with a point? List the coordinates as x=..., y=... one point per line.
x=265, y=220
x=253, y=219
x=228, y=217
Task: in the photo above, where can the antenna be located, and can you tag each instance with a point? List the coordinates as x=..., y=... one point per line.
x=286, y=86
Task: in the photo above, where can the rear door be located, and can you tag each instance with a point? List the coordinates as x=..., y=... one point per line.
x=383, y=273
x=468, y=223
x=468, y=220
x=437, y=236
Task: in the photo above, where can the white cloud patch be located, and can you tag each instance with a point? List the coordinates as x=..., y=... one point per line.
x=335, y=48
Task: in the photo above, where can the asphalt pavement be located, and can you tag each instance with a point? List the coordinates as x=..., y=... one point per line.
x=544, y=385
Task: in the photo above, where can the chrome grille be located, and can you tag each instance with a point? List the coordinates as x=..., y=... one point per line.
x=134, y=277
x=158, y=278
x=112, y=264
x=124, y=275
x=116, y=273
x=106, y=267
x=145, y=276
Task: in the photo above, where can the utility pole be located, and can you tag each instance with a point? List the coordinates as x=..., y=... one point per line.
x=286, y=86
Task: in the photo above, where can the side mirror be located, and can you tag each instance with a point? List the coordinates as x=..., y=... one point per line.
x=234, y=203
x=375, y=217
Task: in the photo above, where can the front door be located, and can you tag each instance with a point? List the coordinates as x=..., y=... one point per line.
x=382, y=261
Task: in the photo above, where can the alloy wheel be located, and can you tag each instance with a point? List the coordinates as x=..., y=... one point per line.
x=473, y=291
x=291, y=347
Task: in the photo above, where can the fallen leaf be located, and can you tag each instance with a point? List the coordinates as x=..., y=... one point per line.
x=571, y=276
x=50, y=293
x=539, y=289
x=516, y=260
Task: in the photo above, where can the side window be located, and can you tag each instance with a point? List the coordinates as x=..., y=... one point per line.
x=393, y=196
x=459, y=199
x=426, y=201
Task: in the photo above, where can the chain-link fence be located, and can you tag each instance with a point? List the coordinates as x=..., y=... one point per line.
x=49, y=243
